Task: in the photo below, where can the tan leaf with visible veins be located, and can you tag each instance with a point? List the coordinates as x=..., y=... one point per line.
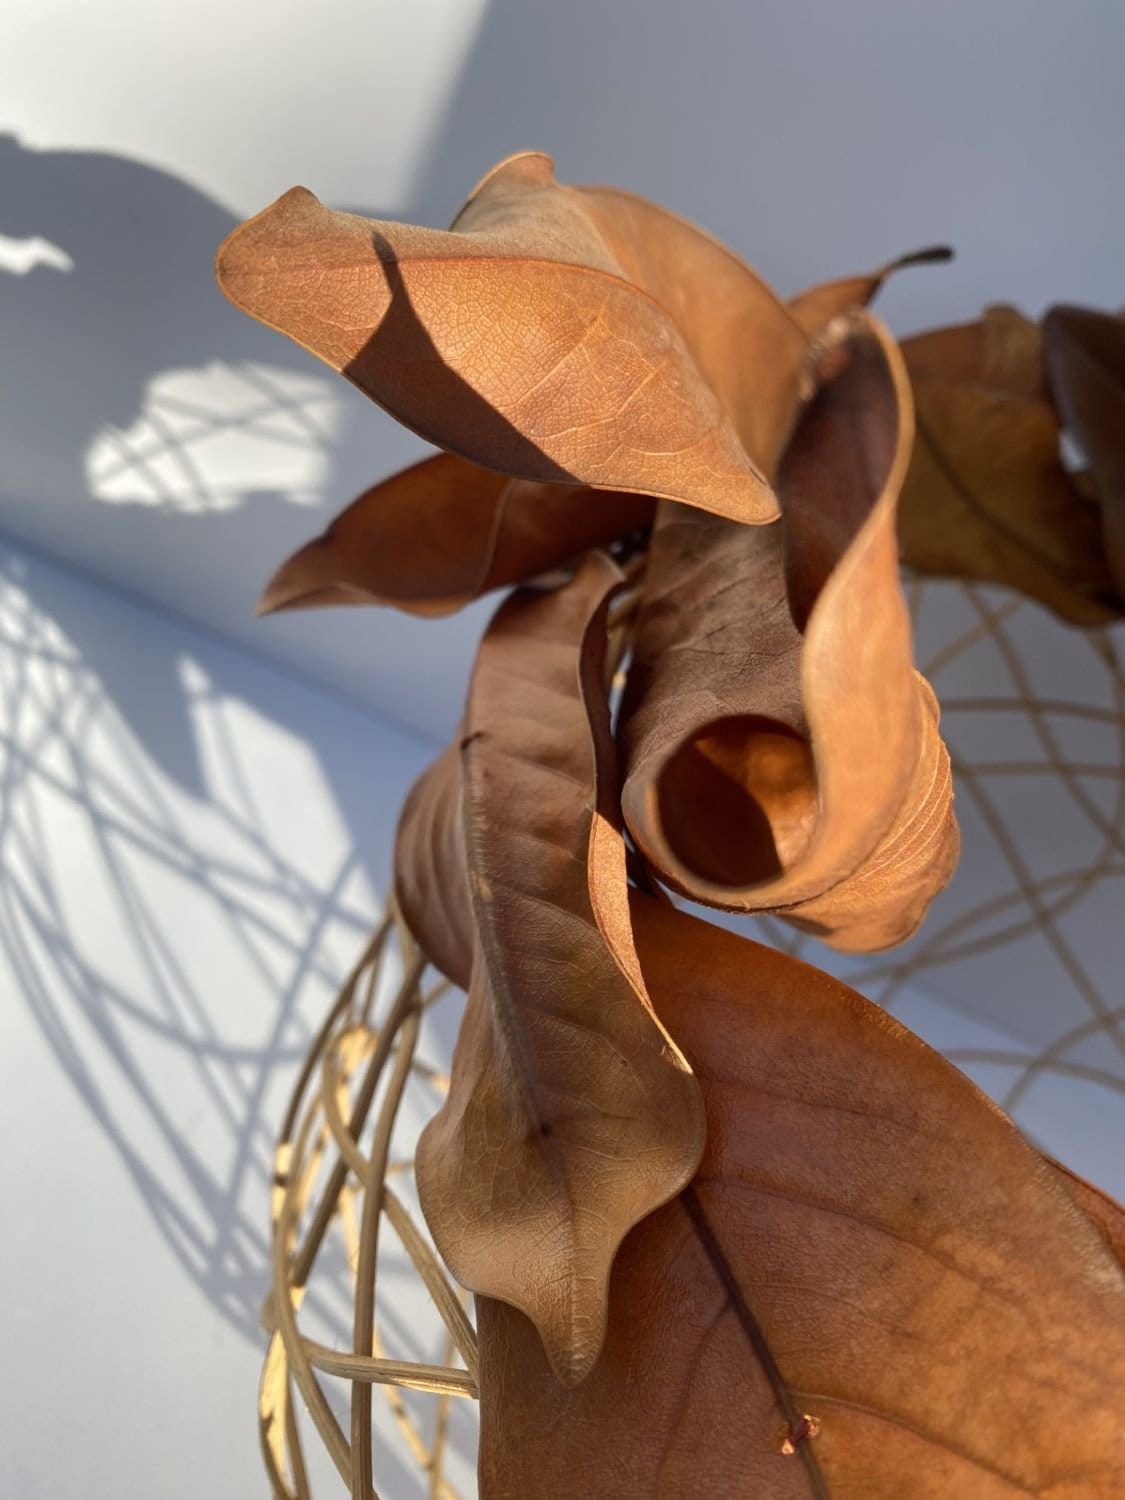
x=554, y=333
x=436, y=536
x=781, y=751
x=571, y=1113
x=1085, y=353
x=986, y=496
x=869, y=1242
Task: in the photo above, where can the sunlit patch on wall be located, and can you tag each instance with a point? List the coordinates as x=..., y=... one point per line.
x=205, y=439
x=19, y=257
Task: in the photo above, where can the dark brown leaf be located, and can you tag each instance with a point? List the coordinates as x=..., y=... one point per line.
x=1085, y=352
x=868, y=1242
x=438, y=535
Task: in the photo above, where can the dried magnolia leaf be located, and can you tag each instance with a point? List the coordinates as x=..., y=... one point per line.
x=571, y=1113
x=438, y=535
x=554, y=333
x=781, y=751
x=431, y=890
x=816, y=306
x=1085, y=352
x=1001, y=352
x=1106, y=1215
x=986, y=495
x=742, y=336
x=874, y=1285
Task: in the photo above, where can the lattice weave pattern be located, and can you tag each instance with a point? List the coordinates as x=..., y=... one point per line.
x=334, y=1171
x=1028, y=935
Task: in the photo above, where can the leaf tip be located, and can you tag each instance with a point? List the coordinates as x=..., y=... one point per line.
x=282, y=591
x=929, y=255
x=305, y=580
x=573, y=1368
x=238, y=258
x=573, y=1345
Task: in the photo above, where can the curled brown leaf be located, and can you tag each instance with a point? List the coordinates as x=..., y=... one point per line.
x=781, y=751
x=438, y=535
x=571, y=1113
x=874, y=1285
x=555, y=334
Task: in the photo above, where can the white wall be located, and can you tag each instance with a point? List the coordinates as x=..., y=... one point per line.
x=192, y=851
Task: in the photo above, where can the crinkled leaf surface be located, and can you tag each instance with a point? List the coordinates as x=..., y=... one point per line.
x=781, y=751
x=869, y=1241
x=554, y=333
x=436, y=536
x=1085, y=353
x=571, y=1113
x=986, y=495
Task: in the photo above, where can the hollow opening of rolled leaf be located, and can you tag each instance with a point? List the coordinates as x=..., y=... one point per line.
x=738, y=801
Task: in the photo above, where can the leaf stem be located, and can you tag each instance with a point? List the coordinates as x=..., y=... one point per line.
x=796, y=1422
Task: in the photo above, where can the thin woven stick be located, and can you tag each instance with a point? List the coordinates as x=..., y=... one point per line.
x=403, y=1026
x=327, y=1173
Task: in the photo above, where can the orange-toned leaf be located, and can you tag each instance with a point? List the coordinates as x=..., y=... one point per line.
x=1085, y=353
x=571, y=1113
x=782, y=753
x=742, y=336
x=439, y=534
x=986, y=496
x=869, y=1243
x=554, y=333
x=1106, y=1215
